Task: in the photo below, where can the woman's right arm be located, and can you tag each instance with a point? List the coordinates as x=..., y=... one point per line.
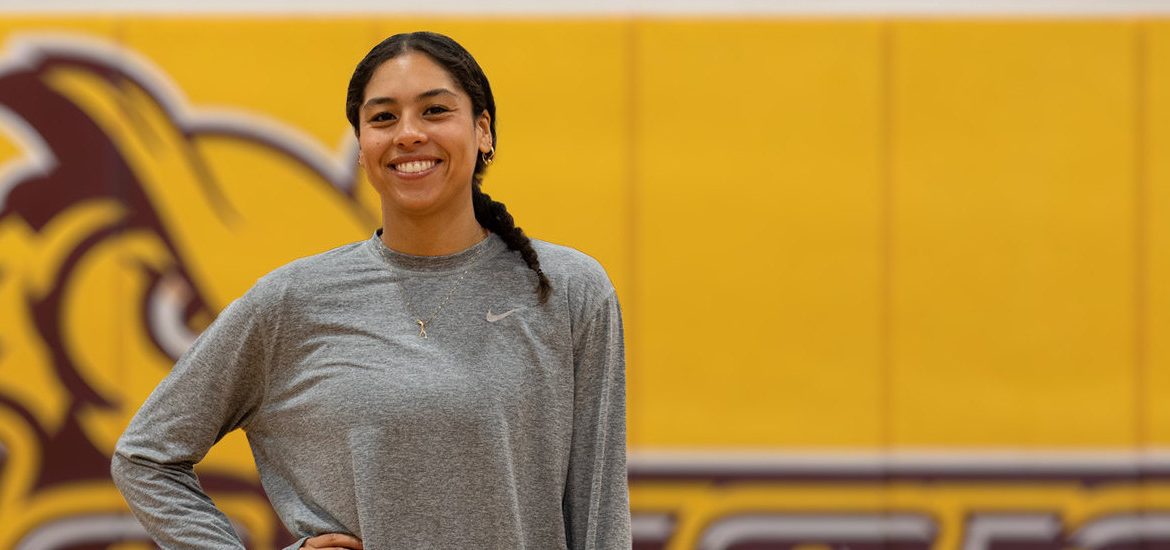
x=214, y=388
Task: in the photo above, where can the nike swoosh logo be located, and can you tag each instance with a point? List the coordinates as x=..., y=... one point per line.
x=493, y=318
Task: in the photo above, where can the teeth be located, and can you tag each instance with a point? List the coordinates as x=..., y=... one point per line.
x=414, y=166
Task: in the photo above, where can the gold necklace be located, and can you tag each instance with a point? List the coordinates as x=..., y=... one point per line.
x=422, y=323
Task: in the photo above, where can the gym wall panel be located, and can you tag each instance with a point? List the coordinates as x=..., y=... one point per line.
x=295, y=71
x=1013, y=234
x=293, y=91
x=1156, y=229
x=37, y=290
x=37, y=386
x=758, y=234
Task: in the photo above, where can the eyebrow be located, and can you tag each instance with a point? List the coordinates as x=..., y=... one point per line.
x=381, y=100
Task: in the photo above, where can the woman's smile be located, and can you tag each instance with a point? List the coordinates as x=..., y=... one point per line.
x=410, y=169
x=414, y=166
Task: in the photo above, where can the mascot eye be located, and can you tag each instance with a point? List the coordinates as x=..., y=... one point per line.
x=168, y=305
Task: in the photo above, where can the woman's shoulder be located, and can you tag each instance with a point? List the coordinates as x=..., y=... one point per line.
x=567, y=262
x=306, y=271
x=578, y=274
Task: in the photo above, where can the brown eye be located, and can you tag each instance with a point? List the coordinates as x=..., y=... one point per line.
x=382, y=117
x=436, y=110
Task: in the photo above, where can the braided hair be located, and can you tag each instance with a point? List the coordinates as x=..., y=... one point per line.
x=463, y=69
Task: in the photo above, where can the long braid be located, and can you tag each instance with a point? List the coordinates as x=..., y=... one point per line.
x=495, y=217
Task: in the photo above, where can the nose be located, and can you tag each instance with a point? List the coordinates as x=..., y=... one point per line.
x=410, y=133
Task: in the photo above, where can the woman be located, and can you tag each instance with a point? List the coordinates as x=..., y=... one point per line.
x=447, y=383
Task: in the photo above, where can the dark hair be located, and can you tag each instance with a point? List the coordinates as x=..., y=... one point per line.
x=470, y=77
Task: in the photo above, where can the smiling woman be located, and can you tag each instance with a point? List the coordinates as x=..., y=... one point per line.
x=446, y=383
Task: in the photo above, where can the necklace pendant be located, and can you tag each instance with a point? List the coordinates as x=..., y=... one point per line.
x=422, y=328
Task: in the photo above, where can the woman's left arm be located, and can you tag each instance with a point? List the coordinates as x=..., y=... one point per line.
x=596, y=505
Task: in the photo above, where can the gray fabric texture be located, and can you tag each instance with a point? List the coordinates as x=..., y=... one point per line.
x=500, y=430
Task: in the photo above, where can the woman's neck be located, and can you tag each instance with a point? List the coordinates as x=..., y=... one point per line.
x=429, y=236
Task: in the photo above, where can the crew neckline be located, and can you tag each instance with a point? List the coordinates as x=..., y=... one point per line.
x=485, y=248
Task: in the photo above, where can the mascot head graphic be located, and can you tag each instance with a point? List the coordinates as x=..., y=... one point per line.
x=128, y=219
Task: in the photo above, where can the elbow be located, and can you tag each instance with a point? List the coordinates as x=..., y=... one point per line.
x=120, y=467
x=127, y=467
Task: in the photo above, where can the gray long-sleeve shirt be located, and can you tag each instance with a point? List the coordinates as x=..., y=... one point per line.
x=504, y=428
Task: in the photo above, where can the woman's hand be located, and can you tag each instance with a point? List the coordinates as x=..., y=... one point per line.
x=333, y=541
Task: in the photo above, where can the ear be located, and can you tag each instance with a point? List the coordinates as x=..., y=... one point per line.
x=483, y=131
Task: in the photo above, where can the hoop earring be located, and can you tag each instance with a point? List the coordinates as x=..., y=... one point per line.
x=490, y=156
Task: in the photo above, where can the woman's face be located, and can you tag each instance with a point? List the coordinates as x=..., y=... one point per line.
x=419, y=138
